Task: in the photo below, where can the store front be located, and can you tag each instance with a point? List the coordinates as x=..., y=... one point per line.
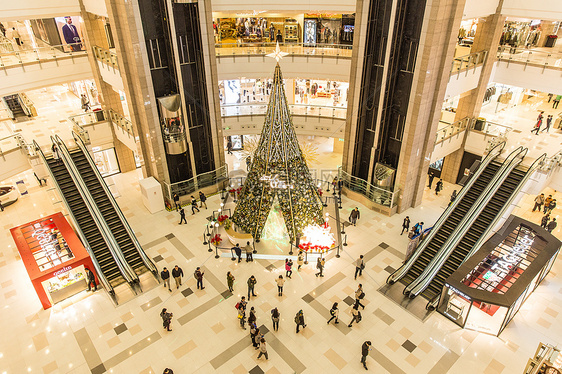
x=54, y=258
x=487, y=291
x=106, y=161
x=85, y=87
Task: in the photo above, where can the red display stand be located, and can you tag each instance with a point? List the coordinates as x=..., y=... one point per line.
x=54, y=258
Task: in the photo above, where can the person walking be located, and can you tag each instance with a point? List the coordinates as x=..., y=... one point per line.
x=537, y=126
x=275, y=318
x=252, y=319
x=547, y=203
x=251, y=284
x=166, y=319
x=556, y=101
x=280, y=282
x=91, y=279
x=431, y=177
x=182, y=216
x=544, y=220
x=230, y=281
x=255, y=335
x=320, y=266
x=354, y=216
x=165, y=275
x=359, y=266
x=359, y=295
x=203, y=199
x=453, y=197
x=551, y=225
x=439, y=186
x=229, y=146
x=193, y=205
x=288, y=268
x=238, y=251
x=356, y=314
x=300, y=260
x=176, y=201
x=418, y=228
x=299, y=320
x=241, y=307
x=177, y=273
x=539, y=201
x=198, y=274
x=334, y=312
x=263, y=349
x=548, y=123
x=551, y=206
x=85, y=102
x=405, y=225
x=365, y=348
x=249, y=252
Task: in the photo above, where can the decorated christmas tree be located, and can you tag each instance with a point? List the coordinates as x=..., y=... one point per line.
x=278, y=170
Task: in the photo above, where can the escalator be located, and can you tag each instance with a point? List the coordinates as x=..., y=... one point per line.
x=110, y=215
x=445, y=230
x=13, y=103
x=479, y=228
x=108, y=266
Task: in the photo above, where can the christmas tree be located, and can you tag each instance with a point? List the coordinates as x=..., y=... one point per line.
x=278, y=170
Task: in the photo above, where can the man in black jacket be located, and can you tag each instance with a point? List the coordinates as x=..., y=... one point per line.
x=177, y=273
x=365, y=348
x=165, y=275
x=91, y=279
x=238, y=251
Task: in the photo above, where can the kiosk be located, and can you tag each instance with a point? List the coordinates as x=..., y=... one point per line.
x=488, y=289
x=54, y=258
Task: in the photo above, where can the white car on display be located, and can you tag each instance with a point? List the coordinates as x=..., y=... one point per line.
x=8, y=195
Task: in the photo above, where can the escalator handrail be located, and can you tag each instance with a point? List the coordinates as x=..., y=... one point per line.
x=426, y=277
x=534, y=166
x=403, y=270
x=145, y=259
x=128, y=273
x=101, y=276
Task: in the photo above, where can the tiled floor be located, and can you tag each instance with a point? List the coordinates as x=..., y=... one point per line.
x=87, y=334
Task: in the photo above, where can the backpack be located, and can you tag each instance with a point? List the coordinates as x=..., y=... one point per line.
x=297, y=319
x=195, y=274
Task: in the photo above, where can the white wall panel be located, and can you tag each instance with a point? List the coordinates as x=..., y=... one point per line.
x=111, y=76
x=30, y=9
x=96, y=7
x=252, y=125
x=125, y=138
x=254, y=67
x=465, y=81
x=543, y=9
x=100, y=134
x=447, y=147
x=479, y=8
x=35, y=75
x=530, y=76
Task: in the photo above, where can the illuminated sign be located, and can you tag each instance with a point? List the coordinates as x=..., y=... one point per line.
x=46, y=240
x=503, y=266
x=275, y=182
x=459, y=292
x=63, y=270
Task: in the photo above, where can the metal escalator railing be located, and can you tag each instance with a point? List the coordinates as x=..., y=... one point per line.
x=101, y=276
x=476, y=245
x=403, y=270
x=127, y=272
x=145, y=259
x=417, y=286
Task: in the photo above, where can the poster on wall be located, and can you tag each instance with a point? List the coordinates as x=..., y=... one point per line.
x=70, y=31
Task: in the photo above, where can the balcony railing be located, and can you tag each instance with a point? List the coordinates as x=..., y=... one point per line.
x=191, y=185
x=23, y=56
x=124, y=123
x=467, y=62
x=375, y=194
x=84, y=119
x=545, y=59
x=230, y=110
x=294, y=49
x=491, y=128
x=106, y=56
x=452, y=129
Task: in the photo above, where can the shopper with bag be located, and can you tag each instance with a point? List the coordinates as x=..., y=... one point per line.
x=356, y=315
x=359, y=266
x=166, y=319
x=275, y=318
x=354, y=216
x=359, y=295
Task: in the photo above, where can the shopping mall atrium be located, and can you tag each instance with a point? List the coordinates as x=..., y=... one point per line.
x=377, y=178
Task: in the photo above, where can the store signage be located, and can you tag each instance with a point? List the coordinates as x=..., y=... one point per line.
x=63, y=270
x=275, y=182
x=46, y=241
x=459, y=292
x=507, y=261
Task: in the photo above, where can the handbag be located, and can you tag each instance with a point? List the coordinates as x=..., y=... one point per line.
x=362, y=295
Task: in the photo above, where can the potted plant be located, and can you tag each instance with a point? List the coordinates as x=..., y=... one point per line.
x=216, y=240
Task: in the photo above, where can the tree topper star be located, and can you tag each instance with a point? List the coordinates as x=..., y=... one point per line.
x=277, y=54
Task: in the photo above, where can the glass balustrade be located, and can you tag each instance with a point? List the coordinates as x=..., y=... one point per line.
x=296, y=110
x=294, y=49
x=13, y=57
x=529, y=56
